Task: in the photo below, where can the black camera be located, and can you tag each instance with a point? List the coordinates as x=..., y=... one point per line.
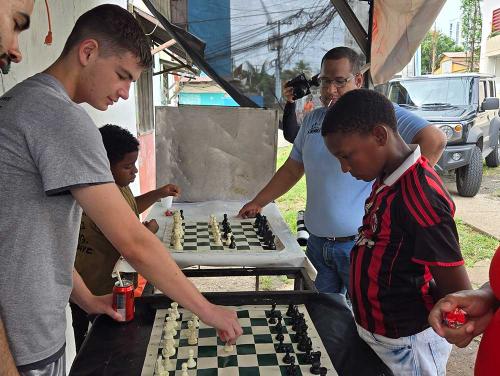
x=301, y=85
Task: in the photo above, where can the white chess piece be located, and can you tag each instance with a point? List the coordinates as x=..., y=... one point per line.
x=175, y=309
x=228, y=347
x=184, y=369
x=169, y=346
x=191, y=363
x=159, y=365
x=168, y=364
x=192, y=337
x=228, y=240
x=217, y=239
x=177, y=243
x=196, y=321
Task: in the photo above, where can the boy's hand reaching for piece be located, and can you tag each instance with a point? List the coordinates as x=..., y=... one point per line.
x=170, y=190
x=151, y=225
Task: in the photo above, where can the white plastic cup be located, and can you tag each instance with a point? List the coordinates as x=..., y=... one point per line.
x=167, y=202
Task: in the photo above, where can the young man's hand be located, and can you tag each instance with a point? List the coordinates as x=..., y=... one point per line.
x=225, y=321
x=169, y=190
x=151, y=225
x=103, y=304
x=250, y=210
x=479, y=306
x=288, y=93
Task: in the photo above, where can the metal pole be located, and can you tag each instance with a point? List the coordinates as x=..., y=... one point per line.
x=277, y=71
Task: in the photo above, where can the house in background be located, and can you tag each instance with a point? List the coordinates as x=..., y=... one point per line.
x=490, y=41
x=453, y=62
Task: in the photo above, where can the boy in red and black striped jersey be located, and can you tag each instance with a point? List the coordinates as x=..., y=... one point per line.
x=408, y=241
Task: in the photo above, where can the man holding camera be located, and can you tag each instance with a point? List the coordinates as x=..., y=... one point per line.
x=335, y=200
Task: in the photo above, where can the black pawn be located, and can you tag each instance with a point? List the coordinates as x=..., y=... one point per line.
x=279, y=325
x=272, y=312
x=272, y=320
x=290, y=369
x=280, y=337
x=323, y=371
x=281, y=347
x=232, y=245
x=316, y=367
x=287, y=359
x=290, y=310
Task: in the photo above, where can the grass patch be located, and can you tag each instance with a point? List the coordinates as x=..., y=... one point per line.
x=487, y=171
x=475, y=246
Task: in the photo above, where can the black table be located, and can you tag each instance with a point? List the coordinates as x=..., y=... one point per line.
x=113, y=348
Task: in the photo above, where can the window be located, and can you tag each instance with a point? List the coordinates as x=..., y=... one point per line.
x=492, y=88
x=482, y=92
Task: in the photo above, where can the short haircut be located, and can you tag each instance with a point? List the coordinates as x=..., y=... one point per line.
x=117, y=142
x=359, y=111
x=338, y=53
x=116, y=31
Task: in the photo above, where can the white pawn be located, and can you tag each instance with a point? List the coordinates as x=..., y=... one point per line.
x=217, y=239
x=191, y=363
x=228, y=240
x=159, y=365
x=184, y=369
x=168, y=364
x=175, y=309
x=228, y=347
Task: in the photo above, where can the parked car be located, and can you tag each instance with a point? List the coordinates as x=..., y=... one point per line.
x=465, y=107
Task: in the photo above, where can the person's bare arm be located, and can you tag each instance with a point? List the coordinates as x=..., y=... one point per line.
x=147, y=199
x=89, y=302
x=432, y=142
x=106, y=207
x=450, y=279
x=7, y=365
x=283, y=180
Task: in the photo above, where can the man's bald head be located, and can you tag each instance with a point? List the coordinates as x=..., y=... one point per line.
x=14, y=19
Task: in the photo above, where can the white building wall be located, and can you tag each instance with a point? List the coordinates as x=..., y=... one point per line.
x=489, y=64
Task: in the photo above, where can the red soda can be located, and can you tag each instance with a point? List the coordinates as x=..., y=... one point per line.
x=455, y=319
x=123, y=299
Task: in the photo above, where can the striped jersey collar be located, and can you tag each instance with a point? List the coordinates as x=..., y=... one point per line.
x=410, y=161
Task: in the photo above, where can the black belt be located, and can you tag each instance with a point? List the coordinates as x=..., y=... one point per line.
x=342, y=239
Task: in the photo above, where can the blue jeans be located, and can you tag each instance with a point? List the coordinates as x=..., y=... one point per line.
x=422, y=354
x=332, y=261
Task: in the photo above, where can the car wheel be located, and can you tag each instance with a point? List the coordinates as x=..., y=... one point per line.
x=493, y=159
x=469, y=177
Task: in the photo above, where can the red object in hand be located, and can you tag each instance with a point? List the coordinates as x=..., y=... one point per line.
x=168, y=213
x=456, y=318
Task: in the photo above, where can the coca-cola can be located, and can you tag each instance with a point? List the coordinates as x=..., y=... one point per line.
x=123, y=299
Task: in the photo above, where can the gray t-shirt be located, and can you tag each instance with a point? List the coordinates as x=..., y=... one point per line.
x=48, y=144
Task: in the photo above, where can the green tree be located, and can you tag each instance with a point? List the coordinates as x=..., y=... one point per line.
x=300, y=66
x=436, y=43
x=471, y=31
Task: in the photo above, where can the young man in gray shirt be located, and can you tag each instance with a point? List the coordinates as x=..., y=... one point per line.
x=54, y=164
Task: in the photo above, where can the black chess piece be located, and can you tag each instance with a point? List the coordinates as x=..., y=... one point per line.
x=272, y=312
x=280, y=347
x=323, y=371
x=258, y=218
x=280, y=337
x=182, y=214
x=290, y=369
x=272, y=244
x=232, y=245
x=308, y=357
x=279, y=325
x=303, y=343
x=316, y=367
x=272, y=320
x=224, y=221
x=287, y=359
x=290, y=310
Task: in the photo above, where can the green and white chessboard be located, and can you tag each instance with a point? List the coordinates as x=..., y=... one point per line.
x=254, y=354
x=198, y=238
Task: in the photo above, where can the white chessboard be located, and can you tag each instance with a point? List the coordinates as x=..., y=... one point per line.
x=254, y=354
x=198, y=238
